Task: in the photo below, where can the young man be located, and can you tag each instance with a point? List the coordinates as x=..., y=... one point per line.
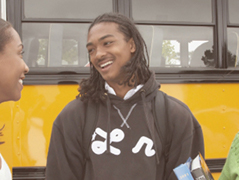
x=124, y=143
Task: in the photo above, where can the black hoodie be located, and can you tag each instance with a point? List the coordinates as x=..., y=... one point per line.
x=125, y=144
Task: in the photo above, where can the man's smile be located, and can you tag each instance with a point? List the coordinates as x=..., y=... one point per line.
x=106, y=64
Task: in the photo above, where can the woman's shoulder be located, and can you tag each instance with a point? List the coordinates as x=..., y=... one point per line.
x=5, y=172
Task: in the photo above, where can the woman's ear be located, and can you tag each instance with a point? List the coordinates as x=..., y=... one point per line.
x=132, y=45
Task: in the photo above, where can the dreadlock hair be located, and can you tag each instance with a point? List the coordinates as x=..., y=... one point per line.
x=136, y=71
x=5, y=35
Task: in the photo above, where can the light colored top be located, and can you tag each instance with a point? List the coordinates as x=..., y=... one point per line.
x=128, y=95
x=230, y=170
x=5, y=173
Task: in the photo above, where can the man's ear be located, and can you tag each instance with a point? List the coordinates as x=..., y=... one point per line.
x=132, y=45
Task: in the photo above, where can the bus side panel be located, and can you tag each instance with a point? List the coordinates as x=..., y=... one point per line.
x=214, y=105
x=32, y=123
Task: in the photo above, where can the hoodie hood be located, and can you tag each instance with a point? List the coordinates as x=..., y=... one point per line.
x=150, y=88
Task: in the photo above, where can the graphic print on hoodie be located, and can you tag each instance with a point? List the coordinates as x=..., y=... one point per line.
x=131, y=152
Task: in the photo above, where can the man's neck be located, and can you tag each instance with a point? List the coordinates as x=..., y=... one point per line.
x=120, y=90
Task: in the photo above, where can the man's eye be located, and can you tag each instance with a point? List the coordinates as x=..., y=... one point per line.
x=107, y=43
x=90, y=51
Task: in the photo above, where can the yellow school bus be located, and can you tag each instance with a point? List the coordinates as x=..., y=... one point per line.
x=193, y=47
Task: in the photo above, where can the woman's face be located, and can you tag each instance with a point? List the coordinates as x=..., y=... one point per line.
x=12, y=69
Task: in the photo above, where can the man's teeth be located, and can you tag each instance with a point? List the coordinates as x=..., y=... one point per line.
x=20, y=81
x=106, y=64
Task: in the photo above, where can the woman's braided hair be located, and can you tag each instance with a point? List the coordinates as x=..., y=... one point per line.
x=1, y=134
x=137, y=67
x=5, y=35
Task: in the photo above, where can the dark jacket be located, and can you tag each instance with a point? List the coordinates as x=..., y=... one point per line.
x=125, y=144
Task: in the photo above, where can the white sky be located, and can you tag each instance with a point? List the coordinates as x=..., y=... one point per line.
x=191, y=46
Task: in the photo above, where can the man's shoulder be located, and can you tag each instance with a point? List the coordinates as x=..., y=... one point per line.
x=174, y=103
x=178, y=112
x=178, y=103
x=73, y=108
x=74, y=104
x=73, y=114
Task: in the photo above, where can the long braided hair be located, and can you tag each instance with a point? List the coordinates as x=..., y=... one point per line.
x=136, y=71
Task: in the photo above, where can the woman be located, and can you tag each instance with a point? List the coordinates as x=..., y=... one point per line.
x=12, y=73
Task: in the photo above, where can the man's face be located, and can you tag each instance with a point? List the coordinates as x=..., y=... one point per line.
x=12, y=69
x=109, y=51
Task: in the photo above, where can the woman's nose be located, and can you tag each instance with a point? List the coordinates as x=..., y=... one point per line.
x=26, y=69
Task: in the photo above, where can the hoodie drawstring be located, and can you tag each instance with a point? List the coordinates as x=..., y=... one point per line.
x=108, y=104
x=150, y=125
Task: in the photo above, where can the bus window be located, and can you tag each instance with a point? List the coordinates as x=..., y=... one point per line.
x=53, y=40
x=179, y=46
x=55, y=45
x=172, y=10
x=233, y=47
x=74, y=9
x=233, y=6
x=233, y=34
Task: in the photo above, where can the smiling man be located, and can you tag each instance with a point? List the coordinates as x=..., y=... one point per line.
x=124, y=143
x=109, y=52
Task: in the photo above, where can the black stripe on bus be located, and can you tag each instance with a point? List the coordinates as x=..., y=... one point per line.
x=161, y=75
x=28, y=173
x=215, y=165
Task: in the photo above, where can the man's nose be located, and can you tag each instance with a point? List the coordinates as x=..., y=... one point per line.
x=100, y=52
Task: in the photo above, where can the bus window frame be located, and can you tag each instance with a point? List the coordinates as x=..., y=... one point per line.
x=220, y=22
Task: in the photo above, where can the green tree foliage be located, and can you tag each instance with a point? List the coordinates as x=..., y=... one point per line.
x=169, y=53
x=43, y=46
x=70, y=51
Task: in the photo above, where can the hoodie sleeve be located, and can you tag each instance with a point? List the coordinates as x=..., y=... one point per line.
x=186, y=137
x=65, y=156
